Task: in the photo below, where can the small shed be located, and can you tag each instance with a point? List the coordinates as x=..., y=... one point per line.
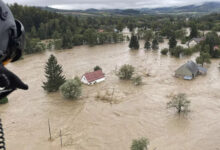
x=93, y=77
x=187, y=71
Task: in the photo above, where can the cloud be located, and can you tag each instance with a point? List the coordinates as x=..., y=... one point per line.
x=99, y=4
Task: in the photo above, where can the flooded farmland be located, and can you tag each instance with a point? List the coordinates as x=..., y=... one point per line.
x=90, y=124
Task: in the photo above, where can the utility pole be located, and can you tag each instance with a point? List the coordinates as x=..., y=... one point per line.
x=49, y=129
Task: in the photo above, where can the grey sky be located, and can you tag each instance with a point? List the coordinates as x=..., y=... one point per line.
x=98, y=4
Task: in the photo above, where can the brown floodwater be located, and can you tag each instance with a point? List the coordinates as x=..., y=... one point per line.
x=91, y=124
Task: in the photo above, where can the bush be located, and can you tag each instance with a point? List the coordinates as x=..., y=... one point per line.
x=126, y=72
x=140, y=144
x=137, y=80
x=164, y=51
x=4, y=100
x=96, y=68
x=71, y=89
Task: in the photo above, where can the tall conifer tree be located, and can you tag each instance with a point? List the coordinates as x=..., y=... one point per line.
x=134, y=44
x=53, y=74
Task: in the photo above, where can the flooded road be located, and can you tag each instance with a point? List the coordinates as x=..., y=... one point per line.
x=90, y=124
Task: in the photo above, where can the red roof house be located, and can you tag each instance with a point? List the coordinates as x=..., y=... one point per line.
x=216, y=48
x=93, y=77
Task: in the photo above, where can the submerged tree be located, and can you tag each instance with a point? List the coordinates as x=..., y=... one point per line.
x=212, y=40
x=164, y=51
x=67, y=39
x=155, y=44
x=126, y=72
x=203, y=58
x=96, y=68
x=194, y=31
x=134, y=44
x=140, y=144
x=147, y=45
x=148, y=35
x=53, y=74
x=179, y=102
x=137, y=80
x=176, y=51
x=4, y=100
x=71, y=89
x=172, y=41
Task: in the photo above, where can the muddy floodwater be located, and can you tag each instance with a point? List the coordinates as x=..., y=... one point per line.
x=91, y=124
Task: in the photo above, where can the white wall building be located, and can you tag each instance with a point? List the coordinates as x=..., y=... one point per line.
x=93, y=77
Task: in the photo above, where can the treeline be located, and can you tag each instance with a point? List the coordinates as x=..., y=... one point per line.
x=67, y=31
x=209, y=22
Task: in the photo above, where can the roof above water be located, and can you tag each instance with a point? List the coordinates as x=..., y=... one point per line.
x=201, y=69
x=198, y=40
x=93, y=76
x=191, y=66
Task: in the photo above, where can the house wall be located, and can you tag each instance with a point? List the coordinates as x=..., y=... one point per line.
x=97, y=81
x=192, y=43
x=84, y=80
x=100, y=80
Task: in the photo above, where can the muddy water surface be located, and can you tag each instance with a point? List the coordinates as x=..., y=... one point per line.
x=90, y=124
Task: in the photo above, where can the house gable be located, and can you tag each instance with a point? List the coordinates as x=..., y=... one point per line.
x=183, y=71
x=188, y=69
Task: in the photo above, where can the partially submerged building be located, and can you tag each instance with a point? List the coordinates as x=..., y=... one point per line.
x=189, y=70
x=195, y=41
x=93, y=77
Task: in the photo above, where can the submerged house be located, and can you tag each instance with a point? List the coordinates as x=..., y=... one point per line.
x=189, y=70
x=93, y=77
x=195, y=41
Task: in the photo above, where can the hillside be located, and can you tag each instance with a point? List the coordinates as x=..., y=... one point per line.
x=208, y=7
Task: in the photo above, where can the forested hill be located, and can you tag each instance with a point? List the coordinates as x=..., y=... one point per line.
x=67, y=31
x=208, y=7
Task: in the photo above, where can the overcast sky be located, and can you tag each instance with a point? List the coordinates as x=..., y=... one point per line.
x=99, y=4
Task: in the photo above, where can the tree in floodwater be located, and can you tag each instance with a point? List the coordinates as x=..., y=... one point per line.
x=212, y=40
x=90, y=36
x=147, y=45
x=172, y=41
x=179, y=102
x=4, y=100
x=134, y=43
x=137, y=80
x=126, y=72
x=203, y=58
x=67, y=39
x=148, y=35
x=96, y=68
x=53, y=74
x=140, y=144
x=155, y=44
x=71, y=89
x=194, y=31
